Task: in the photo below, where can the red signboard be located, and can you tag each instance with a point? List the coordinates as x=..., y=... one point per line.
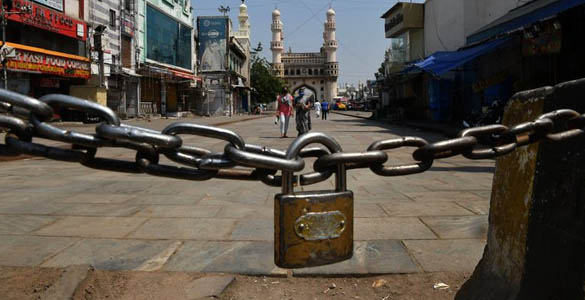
x=48, y=19
x=38, y=60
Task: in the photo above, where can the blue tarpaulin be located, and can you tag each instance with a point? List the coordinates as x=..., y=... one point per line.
x=442, y=62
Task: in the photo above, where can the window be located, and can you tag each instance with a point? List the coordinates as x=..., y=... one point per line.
x=298, y=72
x=112, y=19
x=310, y=72
x=286, y=72
x=321, y=89
x=128, y=5
x=322, y=81
x=168, y=40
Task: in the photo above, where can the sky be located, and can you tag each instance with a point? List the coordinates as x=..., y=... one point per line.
x=360, y=30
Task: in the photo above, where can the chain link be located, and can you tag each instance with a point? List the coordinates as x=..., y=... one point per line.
x=26, y=118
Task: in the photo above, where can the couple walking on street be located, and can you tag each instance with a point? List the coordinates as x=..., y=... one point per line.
x=301, y=104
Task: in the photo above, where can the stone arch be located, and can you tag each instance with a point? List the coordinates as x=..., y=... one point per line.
x=295, y=91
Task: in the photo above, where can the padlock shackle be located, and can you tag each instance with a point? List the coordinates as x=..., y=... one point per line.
x=304, y=140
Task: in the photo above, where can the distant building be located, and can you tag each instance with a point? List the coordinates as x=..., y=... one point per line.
x=316, y=71
x=224, y=64
x=114, y=33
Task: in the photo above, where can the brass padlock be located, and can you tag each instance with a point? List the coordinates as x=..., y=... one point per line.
x=313, y=228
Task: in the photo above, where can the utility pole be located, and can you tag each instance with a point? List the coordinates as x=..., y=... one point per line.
x=98, y=44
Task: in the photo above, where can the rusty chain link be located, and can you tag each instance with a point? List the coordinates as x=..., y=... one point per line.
x=26, y=118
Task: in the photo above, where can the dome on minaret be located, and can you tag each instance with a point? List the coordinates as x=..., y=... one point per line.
x=243, y=7
x=275, y=12
x=330, y=12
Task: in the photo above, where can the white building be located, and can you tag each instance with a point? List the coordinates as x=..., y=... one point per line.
x=449, y=22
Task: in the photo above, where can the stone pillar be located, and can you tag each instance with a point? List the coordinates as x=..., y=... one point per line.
x=536, y=235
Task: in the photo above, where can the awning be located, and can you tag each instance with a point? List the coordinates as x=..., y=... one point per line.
x=522, y=16
x=442, y=62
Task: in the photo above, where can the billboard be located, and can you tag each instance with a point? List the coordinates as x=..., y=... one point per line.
x=213, y=32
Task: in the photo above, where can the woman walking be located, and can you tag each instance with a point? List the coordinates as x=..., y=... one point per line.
x=303, y=107
x=285, y=110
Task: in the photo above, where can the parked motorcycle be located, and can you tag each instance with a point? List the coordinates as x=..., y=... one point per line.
x=493, y=115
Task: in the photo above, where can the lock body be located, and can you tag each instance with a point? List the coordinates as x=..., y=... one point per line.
x=313, y=228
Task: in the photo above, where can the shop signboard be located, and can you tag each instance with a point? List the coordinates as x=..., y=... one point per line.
x=48, y=19
x=55, y=4
x=48, y=62
x=402, y=17
x=127, y=27
x=213, y=32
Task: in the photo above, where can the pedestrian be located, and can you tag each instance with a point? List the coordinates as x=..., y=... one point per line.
x=324, y=109
x=317, y=109
x=285, y=110
x=302, y=108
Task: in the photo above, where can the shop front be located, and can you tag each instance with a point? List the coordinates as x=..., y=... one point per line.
x=36, y=72
x=165, y=91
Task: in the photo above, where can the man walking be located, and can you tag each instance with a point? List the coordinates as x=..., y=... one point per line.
x=324, y=109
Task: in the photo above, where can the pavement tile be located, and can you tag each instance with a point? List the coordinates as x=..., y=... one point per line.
x=176, y=199
x=391, y=229
x=31, y=207
x=16, y=250
x=415, y=209
x=185, y=229
x=470, y=227
x=368, y=211
x=446, y=255
x=252, y=258
x=484, y=194
x=443, y=196
x=369, y=257
x=254, y=229
x=478, y=207
x=240, y=211
x=124, y=187
x=181, y=211
x=97, y=209
x=105, y=198
x=16, y=224
x=107, y=227
x=109, y=254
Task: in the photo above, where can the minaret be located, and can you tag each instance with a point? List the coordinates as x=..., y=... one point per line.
x=244, y=26
x=330, y=46
x=276, y=45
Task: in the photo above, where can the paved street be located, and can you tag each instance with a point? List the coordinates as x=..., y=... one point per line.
x=59, y=214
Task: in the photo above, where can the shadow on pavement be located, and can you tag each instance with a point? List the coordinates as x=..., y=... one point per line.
x=464, y=169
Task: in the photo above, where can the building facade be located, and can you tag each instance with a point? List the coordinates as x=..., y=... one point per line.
x=449, y=22
x=114, y=35
x=224, y=64
x=316, y=71
x=165, y=50
x=402, y=94
x=48, y=43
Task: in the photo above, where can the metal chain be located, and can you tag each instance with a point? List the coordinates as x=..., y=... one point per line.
x=26, y=118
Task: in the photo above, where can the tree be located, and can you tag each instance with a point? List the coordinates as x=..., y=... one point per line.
x=266, y=85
